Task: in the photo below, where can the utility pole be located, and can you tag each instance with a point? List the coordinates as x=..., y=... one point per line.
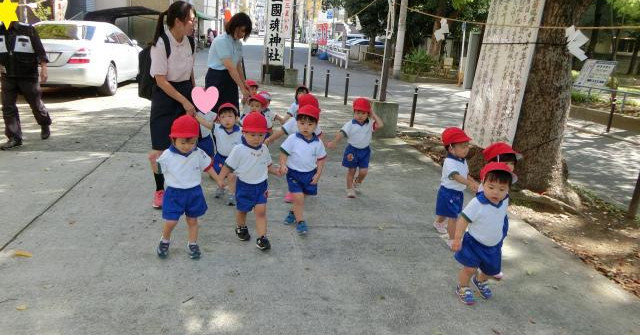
x=293, y=34
x=402, y=27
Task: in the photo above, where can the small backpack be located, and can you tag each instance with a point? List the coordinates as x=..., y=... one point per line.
x=145, y=81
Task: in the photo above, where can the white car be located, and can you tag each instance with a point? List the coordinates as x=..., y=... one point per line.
x=87, y=53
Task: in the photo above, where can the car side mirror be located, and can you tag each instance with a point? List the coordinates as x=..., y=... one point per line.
x=134, y=43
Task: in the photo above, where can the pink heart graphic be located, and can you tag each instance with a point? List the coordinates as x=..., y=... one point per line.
x=205, y=100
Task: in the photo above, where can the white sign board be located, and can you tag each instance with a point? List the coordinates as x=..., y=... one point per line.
x=502, y=71
x=274, y=40
x=595, y=73
x=287, y=16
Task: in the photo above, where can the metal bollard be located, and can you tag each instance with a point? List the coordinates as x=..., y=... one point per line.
x=413, y=107
x=464, y=118
x=624, y=100
x=326, y=84
x=346, y=89
x=375, y=90
x=304, y=75
x=613, y=109
x=311, y=80
x=633, y=206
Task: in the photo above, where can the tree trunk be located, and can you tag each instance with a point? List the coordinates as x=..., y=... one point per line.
x=634, y=56
x=614, y=44
x=545, y=107
x=434, y=48
x=597, y=21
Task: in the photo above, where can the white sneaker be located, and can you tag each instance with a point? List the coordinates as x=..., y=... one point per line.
x=449, y=243
x=441, y=227
x=231, y=199
x=219, y=192
x=356, y=185
x=351, y=193
x=499, y=276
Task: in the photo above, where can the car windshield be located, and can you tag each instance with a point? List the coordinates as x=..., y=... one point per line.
x=65, y=32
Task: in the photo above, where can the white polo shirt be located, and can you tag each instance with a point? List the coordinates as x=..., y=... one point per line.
x=183, y=171
x=293, y=110
x=178, y=66
x=303, y=154
x=210, y=117
x=250, y=164
x=486, y=220
x=266, y=115
x=452, y=166
x=291, y=127
x=225, y=141
x=358, y=135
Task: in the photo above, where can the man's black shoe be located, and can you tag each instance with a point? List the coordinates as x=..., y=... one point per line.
x=45, y=132
x=11, y=143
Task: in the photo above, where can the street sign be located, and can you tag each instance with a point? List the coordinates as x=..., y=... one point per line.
x=274, y=39
x=329, y=14
x=595, y=73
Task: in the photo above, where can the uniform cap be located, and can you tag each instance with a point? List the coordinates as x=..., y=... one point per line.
x=250, y=82
x=499, y=148
x=185, y=127
x=265, y=95
x=310, y=110
x=254, y=122
x=228, y=105
x=259, y=98
x=496, y=166
x=308, y=99
x=362, y=105
x=454, y=135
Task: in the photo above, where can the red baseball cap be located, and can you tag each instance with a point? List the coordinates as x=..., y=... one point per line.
x=308, y=99
x=499, y=148
x=259, y=98
x=254, y=122
x=228, y=105
x=362, y=105
x=496, y=166
x=185, y=127
x=453, y=135
x=310, y=110
x=265, y=95
x=250, y=82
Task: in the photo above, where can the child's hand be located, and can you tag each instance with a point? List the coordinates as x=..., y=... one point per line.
x=283, y=170
x=456, y=245
x=267, y=141
x=315, y=179
x=331, y=145
x=220, y=182
x=473, y=186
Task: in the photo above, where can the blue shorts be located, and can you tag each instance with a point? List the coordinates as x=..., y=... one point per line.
x=477, y=255
x=218, y=162
x=356, y=158
x=449, y=202
x=206, y=144
x=300, y=182
x=250, y=195
x=178, y=201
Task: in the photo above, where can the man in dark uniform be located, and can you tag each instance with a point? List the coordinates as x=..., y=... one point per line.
x=21, y=52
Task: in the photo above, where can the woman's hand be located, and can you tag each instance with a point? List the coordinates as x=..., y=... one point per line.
x=189, y=108
x=245, y=92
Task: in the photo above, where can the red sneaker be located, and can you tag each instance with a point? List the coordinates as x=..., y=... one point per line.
x=157, y=199
x=288, y=197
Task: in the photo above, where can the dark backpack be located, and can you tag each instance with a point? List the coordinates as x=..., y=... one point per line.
x=145, y=81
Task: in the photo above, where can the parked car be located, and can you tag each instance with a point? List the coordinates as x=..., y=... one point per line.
x=87, y=53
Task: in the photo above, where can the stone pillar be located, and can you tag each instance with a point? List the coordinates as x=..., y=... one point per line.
x=291, y=77
x=388, y=112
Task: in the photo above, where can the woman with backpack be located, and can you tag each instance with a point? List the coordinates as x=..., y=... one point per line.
x=226, y=71
x=172, y=68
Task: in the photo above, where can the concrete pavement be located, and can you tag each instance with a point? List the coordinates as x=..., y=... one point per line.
x=371, y=265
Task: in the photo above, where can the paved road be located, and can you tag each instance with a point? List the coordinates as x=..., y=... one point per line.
x=607, y=166
x=80, y=202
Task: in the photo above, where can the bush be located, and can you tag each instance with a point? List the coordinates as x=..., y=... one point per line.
x=418, y=61
x=584, y=98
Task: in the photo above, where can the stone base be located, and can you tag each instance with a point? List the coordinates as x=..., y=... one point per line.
x=291, y=78
x=388, y=112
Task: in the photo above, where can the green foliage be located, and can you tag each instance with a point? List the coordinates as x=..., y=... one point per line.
x=630, y=9
x=43, y=11
x=418, y=61
x=373, y=20
x=584, y=98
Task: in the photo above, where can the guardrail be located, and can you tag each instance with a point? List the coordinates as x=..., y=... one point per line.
x=338, y=56
x=614, y=93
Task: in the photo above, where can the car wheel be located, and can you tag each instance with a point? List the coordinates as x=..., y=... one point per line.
x=110, y=85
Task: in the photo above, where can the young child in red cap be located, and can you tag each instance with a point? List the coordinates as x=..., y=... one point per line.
x=293, y=109
x=182, y=165
x=502, y=153
x=481, y=246
x=258, y=103
x=253, y=89
x=455, y=179
x=251, y=162
x=358, y=132
x=302, y=159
